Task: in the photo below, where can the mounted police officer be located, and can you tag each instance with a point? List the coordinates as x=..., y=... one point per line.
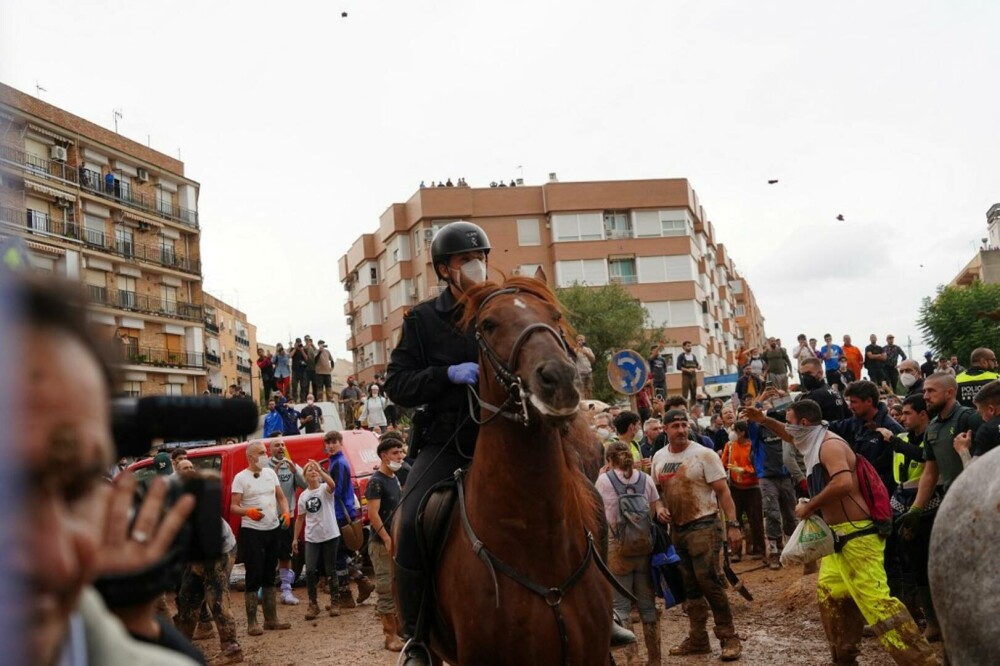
x=432, y=367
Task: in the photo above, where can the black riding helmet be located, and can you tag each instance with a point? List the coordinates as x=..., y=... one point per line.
x=456, y=238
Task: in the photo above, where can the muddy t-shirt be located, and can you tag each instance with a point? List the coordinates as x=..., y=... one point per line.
x=684, y=480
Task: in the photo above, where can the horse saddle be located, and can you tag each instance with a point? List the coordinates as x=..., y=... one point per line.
x=434, y=520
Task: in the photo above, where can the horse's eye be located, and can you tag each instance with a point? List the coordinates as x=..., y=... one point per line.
x=489, y=326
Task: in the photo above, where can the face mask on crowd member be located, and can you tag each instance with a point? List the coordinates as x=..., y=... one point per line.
x=907, y=379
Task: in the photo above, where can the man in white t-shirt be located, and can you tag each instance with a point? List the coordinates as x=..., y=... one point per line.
x=317, y=513
x=257, y=497
x=693, y=483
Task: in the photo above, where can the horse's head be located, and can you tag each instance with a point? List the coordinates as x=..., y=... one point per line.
x=525, y=361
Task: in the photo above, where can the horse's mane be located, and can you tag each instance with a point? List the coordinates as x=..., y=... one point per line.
x=582, y=458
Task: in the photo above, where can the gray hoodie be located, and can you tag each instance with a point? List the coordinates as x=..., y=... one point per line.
x=289, y=478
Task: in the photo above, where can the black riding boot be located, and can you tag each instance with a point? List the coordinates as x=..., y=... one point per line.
x=410, y=584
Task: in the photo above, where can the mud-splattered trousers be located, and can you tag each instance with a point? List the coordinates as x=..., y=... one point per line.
x=699, y=545
x=207, y=582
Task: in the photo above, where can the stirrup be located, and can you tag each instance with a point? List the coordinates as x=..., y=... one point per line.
x=409, y=657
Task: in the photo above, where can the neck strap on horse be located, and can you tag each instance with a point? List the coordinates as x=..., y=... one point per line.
x=553, y=596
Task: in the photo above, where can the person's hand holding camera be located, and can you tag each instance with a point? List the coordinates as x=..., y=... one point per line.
x=127, y=549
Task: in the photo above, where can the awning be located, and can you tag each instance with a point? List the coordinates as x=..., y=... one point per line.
x=127, y=215
x=49, y=133
x=48, y=191
x=48, y=249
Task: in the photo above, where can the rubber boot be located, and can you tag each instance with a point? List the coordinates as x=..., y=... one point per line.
x=313, y=611
x=773, y=554
x=620, y=635
x=250, y=599
x=344, y=597
x=332, y=608
x=231, y=653
x=932, y=632
x=843, y=625
x=697, y=638
x=651, y=634
x=392, y=642
x=287, y=576
x=365, y=588
x=270, y=599
x=410, y=584
x=915, y=648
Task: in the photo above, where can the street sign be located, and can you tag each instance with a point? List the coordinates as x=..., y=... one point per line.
x=627, y=372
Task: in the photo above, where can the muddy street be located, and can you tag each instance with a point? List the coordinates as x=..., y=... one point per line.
x=781, y=626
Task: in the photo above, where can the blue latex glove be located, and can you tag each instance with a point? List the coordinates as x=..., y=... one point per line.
x=463, y=373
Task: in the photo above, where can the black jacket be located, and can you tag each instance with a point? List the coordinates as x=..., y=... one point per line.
x=743, y=385
x=417, y=373
x=866, y=442
x=831, y=402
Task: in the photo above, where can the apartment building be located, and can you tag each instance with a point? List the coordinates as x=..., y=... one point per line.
x=985, y=265
x=230, y=349
x=652, y=236
x=122, y=219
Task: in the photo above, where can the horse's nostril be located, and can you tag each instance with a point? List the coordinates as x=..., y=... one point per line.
x=547, y=375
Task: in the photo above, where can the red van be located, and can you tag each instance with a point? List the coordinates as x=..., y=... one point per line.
x=229, y=459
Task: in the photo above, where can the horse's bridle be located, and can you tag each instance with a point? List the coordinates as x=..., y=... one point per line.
x=515, y=407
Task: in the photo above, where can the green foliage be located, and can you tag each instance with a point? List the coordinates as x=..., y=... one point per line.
x=611, y=319
x=953, y=323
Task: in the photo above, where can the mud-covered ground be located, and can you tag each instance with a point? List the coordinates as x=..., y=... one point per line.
x=781, y=626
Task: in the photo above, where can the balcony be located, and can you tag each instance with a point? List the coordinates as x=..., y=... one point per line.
x=211, y=326
x=242, y=339
x=242, y=369
x=38, y=166
x=212, y=358
x=162, y=358
x=129, y=300
x=133, y=251
x=34, y=222
x=215, y=390
x=123, y=193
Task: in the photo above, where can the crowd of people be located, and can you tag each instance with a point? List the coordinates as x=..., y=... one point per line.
x=767, y=461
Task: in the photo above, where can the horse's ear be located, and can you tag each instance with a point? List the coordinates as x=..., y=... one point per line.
x=540, y=275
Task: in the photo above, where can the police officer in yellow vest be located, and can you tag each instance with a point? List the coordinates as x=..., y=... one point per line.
x=982, y=370
x=907, y=467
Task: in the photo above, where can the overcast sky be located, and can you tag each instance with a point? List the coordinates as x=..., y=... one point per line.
x=303, y=127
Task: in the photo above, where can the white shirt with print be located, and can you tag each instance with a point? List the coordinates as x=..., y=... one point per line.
x=321, y=517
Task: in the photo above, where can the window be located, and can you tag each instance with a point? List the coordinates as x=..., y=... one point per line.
x=670, y=268
x=672, y=313
x=168, y=294
x=578, y=226
x=656, y=223
x=373, y=273
x=617, y=224
x=97, y=285
x=528, y=233
x=173, y=389
x=399, y=249
x=93, y=230
x=165, y=202
x=126, y=292
x=736, y=286
x=582, y=271
x=674, y=222
x=132, y=390
x=124, y=241
x=418, y=246
x=38, y=221
x=173, y=343
x=622, y=270
x=741, y=310
x=167, y=254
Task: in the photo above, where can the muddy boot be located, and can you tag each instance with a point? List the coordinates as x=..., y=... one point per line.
x=271, y=611
x=365, y=588
x=620, y=634
x=932, y=632
x=203, y=630
x=915, y=648
x=313, y=611
x=392, y=642
x=250, y=598
x=697, y=639
x=773, y=554
x=231, y=653
x=287, y=577
x=651, y=634
x=332, y=608
x=843, y=625
x=630, y=655
x=344, y=597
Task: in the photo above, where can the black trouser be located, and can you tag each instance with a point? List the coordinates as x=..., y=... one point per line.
x=260, y=556
x=918, y=547
x=876, y=375
x=327, y=551
x=435, y=463
x=300, y=381
x=891, y=377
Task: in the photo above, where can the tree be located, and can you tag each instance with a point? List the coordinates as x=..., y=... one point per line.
x=611, y=319
x=957, y=321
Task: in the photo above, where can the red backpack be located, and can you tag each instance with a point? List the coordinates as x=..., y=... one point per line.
x=875, y=494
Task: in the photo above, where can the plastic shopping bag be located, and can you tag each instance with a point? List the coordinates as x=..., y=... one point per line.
x=811, y=540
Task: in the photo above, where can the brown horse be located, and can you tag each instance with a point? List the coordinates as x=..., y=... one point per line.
x=518, y=581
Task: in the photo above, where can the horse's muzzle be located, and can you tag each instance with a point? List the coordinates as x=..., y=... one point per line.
x=555, y=388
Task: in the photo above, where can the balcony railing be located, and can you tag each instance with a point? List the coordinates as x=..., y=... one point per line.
x=215, y=390
x=37, y=165
x=34, y=222
x=124, y=193
x=164, y=358
x=129, y=300
x=211, y=327
x=212, y=358
x=149, y=253
x=242, y=340
x=243, y=369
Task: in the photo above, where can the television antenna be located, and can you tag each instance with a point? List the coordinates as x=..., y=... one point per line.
x=117, y=113
x=39, y=90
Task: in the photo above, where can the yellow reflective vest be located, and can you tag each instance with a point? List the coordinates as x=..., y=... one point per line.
x=969, y=383
x=913, y=470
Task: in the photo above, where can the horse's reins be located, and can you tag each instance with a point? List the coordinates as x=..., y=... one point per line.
x=553, y=596
x=517, y=398
x=515, y=407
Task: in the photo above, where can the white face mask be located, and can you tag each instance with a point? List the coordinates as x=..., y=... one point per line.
x=907, y=380
x=395, y=466
x=801, y=434
x=262, y=461
x=474, y=272
x=603, y=433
